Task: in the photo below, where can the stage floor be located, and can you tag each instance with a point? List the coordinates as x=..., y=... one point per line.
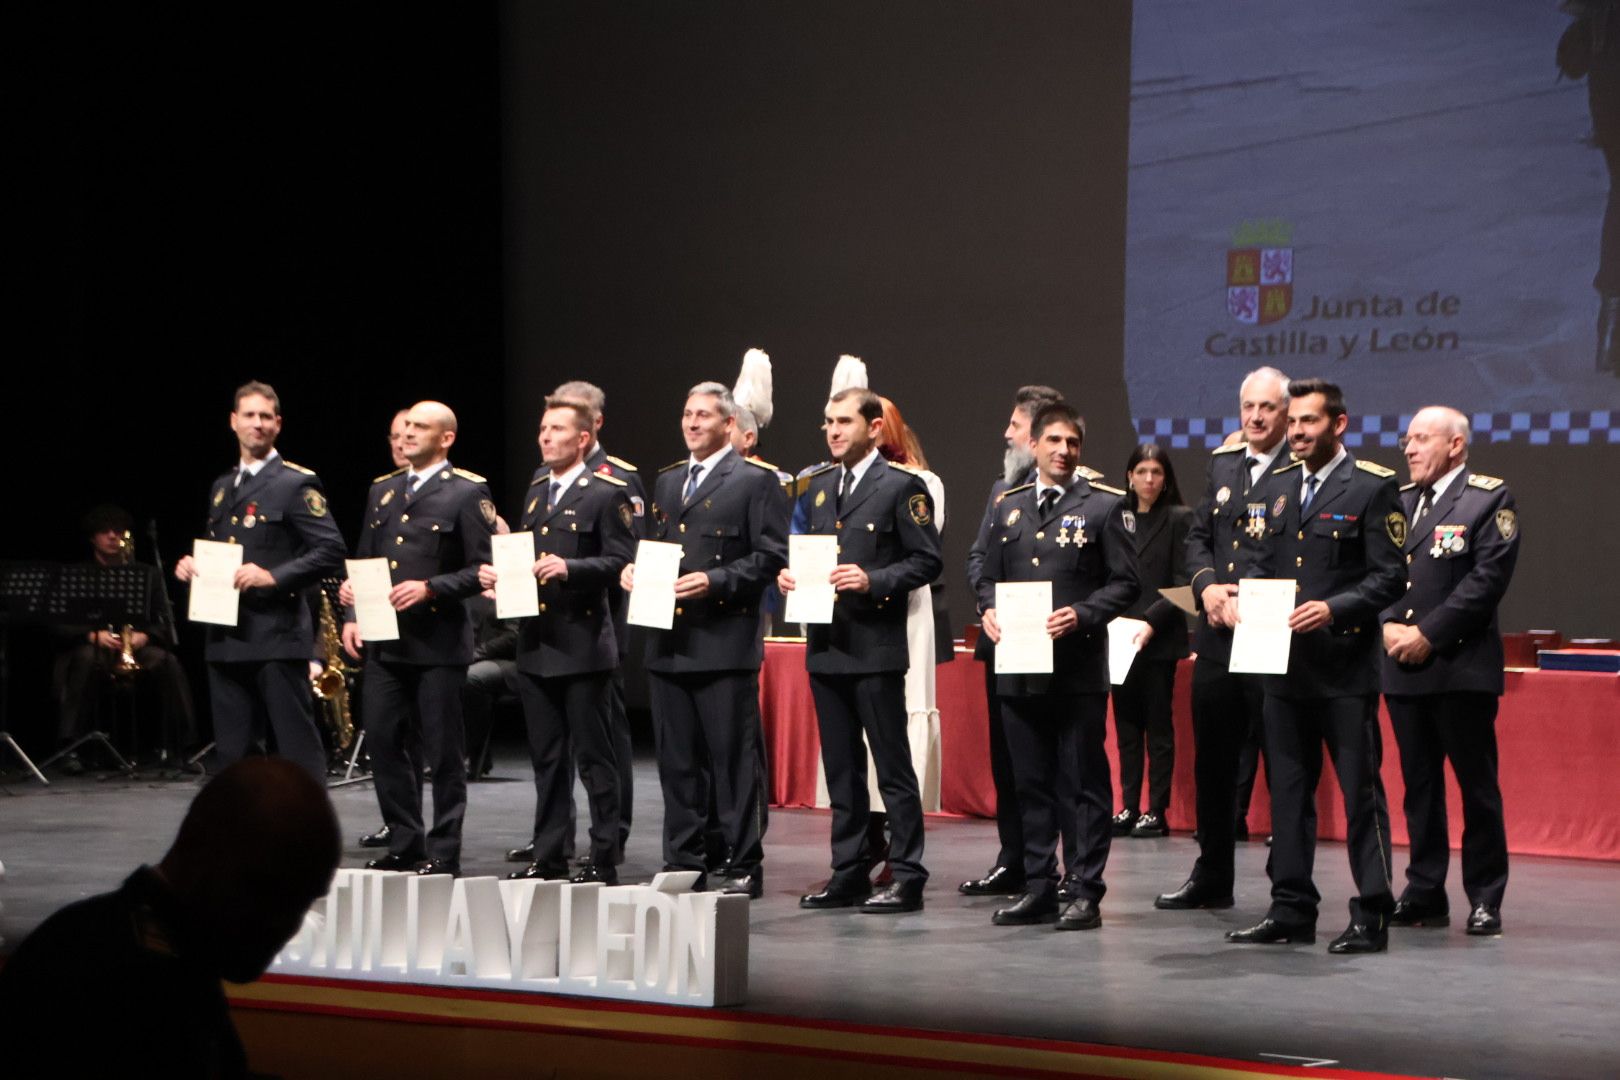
x=1537, y=1002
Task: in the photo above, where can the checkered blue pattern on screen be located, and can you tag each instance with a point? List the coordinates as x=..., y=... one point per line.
x=1570, y=428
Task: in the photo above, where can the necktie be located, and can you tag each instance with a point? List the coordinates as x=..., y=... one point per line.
x=1310, y=494
x=1423, y=504
x=1248, y=472
x=843, y=492
x=692, y=483
x=242, y=477
x=555, y=495
x=1049, y=499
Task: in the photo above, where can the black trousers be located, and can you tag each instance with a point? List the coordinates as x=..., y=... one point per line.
x=1249, y=755
x=1226, y=710
x=1295, y=732
x=1431, y=729
x=1060, y=762
x=623, y=755
x=1009, y=816
x=566, y=712
x=708, y=731
x=79, y=670
x=1142, y=710
x=248, y=696
x=409, y=709
x=847, y=705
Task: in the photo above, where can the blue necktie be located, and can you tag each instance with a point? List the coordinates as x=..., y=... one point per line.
x=556, y=495
x=1310, y=494
x=692, y=484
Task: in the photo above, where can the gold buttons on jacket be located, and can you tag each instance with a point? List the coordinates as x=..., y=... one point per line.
x=1038, y=536
x=1036, y=560
x=1299, y=560
x=399, y=540
x=544, y=529
x=393, y=564
x=1408, y=613
x=1234, y=545
x=1302, y=534
x=404, y=517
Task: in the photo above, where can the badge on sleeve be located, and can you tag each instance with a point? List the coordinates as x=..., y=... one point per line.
x=315, y=501
x=488, y=509
x=1130, y=522
x=1507, y=523
x=1279, y=506
x=626, y=515
x=918, y=505
x=638, y=507
x=1395, y=525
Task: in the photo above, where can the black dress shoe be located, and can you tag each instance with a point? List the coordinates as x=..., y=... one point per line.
x=437, y=866
x=1083, y=914
x=535, y=872
x=393, y=862
x=375, y=839
x=838, y=894
x=1485, y=920
x=521, y=854
x=751, y=885
x=900, y=897
x=1148, y=825
x=1192, y=895
x=1000, y=881
x=595, y=872
x=1031, y=908
x=1409, y=913
x=1124, y=821
x=1272, y=932
x=1360, y=938
x=1068, y=890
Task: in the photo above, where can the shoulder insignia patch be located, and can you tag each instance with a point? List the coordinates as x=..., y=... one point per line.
x=297, y=468
x=1395, y=524
x=614, y=480
x=1230, y=448
x=1292, y=465
x=621, y=463
x=1088, y=472
x=1111, y=489
x=1487, y=483
x=1507, y=523
x=315, y=501
x=1129, y=520
x=1373, y=467
x=918, y=505
x=465, y=475
x=626, y=515
x=488, y=510
x=1013, y=491
x=389, y=476
x=672, y=465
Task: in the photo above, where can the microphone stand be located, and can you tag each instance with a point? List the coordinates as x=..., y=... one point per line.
x=166, y=623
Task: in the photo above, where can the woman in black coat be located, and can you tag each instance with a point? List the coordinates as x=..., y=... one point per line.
x=1142, y=701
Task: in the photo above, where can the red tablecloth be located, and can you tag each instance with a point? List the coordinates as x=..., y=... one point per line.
x=1558, y=734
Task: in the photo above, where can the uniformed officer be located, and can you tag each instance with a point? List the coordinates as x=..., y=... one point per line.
x=581, y=523
x=730, y=518
x=1006, y=875
x=1076, y=534
x=432, y=522
x=1226, y=537
x=883, y=519
x=258, y=670
x=1443, y=669
x=1335, y=526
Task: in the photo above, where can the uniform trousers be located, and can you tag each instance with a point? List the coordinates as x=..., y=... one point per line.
x=250, y=695
x=1060, y=764
x=563, y=713
x=1225, y=710
x=847, y=705
x=1296, y=728
x=623, y=756
x=1009, y=817
x=412, y=709
x=708, y=731
x=1431, y=729
x=1142, y=709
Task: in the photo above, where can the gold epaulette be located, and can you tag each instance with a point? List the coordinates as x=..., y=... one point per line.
x=672, y=465
x=1230, y=448
x=767, y=466
x=1111, y=489
x=819, y=470
x=465, y=475
x=1014, y=491
x=912, y=469
x=539, y=478
x=389, y=476
x=1486, y=483
x=1409, y=487
x=621, y=463
x=297, y=468
x=1088, y=472
x=1285, y=468
x=610, y=478
x=1374, y=468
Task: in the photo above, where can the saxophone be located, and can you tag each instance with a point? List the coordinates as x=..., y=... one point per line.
x=331, y=683
x=126, y=667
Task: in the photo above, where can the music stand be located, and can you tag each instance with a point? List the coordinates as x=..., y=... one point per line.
x=57, y=594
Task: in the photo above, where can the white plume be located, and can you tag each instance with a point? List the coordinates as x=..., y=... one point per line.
x=851, y=371
x=753, y=389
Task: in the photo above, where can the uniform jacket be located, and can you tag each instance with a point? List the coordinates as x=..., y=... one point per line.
x=984, y=649
x=1346, y=551
x=1225, y=539
x=281, y=519
x=1161, y=556
x=592, y=528
x=887, y=529
x=1084, y=547
x=734, y=528
x=1459, y=561
x=439, y=535
x=602, y=463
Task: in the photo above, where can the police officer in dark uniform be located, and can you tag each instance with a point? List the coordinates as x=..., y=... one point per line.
x=1227, y=535
x=888, y=545
x=582, y=527
x=1443, y=669
x=432, y=522
x=1335, y=526
x=258, y=670
x=1076, y=534
x=1018, y=467
x=728, y=514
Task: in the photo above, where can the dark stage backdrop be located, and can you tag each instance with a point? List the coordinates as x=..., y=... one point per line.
x=937, y=187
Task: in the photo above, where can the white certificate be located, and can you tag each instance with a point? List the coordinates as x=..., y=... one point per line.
x=652, y=601
x=517, y=594
x=214, y=596
x=1122, y=649
x=1022, y=608
x=811, y=560
x=1262, y=639
x=371, y=582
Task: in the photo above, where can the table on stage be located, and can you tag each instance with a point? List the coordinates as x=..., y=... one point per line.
x=1558, y=735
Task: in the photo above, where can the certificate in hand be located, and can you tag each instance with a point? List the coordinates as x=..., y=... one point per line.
x=1022, y=608
x=1122, y=649
x=516, y=594
x=376, y=617
x=652, y=601
x=1262, y=639
x=811, y=559
x=214, y=596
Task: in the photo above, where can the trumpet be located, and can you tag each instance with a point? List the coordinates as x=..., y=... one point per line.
x=126, y=667
x=331, y=683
